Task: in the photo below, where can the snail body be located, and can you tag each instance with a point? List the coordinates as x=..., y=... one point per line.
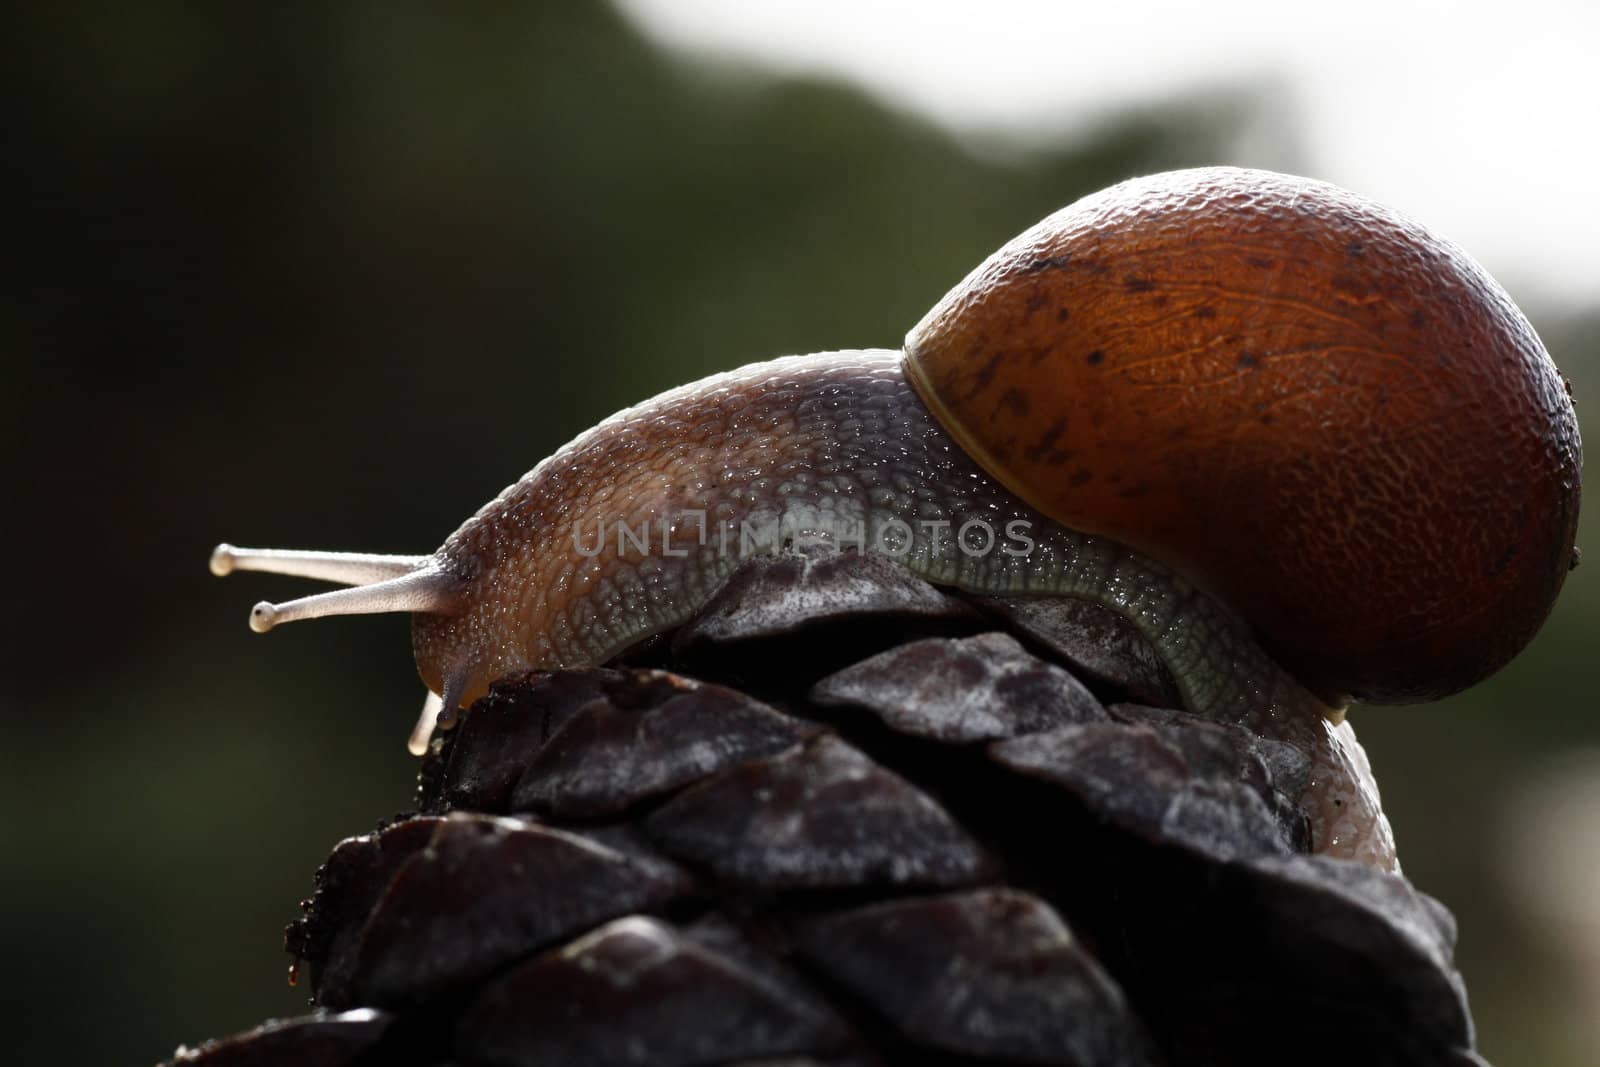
x=1003, y=452
x=630, y=529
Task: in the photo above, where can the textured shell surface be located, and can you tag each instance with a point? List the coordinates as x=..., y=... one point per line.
x=1293, y=395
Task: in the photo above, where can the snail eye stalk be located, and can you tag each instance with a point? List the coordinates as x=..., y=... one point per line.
x=378, y=584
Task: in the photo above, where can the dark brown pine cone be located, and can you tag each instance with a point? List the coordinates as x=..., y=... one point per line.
x=846, y=818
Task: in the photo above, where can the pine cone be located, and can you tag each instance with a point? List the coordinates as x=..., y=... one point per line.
x=842, y=818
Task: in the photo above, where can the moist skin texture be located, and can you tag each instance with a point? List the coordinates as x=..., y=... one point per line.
x=568, y=566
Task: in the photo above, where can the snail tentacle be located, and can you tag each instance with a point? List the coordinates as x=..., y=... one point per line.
x=428, y=591
x=345, y=568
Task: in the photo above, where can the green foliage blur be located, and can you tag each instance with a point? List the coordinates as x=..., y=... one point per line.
x=295, y=278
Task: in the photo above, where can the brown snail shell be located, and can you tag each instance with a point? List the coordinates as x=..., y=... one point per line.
x=1301, y=400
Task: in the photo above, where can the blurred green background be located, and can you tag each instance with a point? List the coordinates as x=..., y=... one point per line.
x=299, y=279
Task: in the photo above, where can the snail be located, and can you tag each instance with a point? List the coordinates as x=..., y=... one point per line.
x=1312, y=451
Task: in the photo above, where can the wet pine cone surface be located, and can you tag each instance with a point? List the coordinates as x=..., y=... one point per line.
x=846, y=818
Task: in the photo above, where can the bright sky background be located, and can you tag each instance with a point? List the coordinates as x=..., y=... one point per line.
x=1480, y=120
